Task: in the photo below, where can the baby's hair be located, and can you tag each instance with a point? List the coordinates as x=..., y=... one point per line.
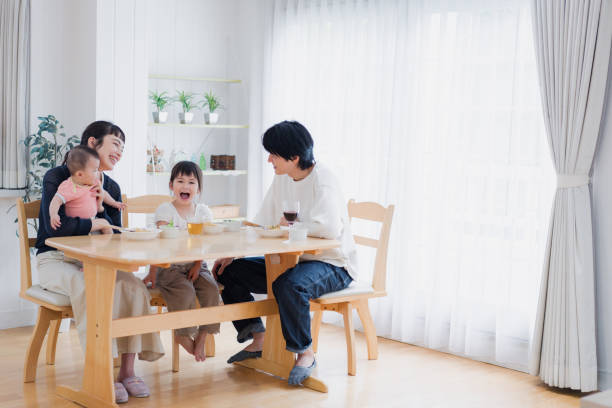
x=187, y=168
x=77, y=158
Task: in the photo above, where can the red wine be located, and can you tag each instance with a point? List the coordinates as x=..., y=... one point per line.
x=290, y=216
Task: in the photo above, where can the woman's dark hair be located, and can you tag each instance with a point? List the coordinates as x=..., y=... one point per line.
x=99, y=129
x=289, y=139
x=76, y=159
x=187, y=168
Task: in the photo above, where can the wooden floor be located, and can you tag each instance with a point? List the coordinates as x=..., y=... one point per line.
x=403, y=376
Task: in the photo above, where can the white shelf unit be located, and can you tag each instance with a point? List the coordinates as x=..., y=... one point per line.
x=199, y=125
x=190, y=78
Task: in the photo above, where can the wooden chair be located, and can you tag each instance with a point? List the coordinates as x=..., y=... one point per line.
x=356, y=295
x=52, y=307
x=147, y=204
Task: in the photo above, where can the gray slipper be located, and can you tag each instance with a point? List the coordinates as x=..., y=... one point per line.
x=243, y=355
x=298, y=374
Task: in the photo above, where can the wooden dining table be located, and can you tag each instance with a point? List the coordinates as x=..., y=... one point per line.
x=104, y=255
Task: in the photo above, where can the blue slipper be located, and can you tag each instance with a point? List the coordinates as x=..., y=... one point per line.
x=298, y=374
x=243, y=355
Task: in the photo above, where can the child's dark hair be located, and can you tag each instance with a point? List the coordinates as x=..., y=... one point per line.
x=76, y=159
x=98, y=130
x=187, y=168
x=289, y=139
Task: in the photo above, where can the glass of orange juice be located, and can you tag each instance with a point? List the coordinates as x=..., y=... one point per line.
x=195, y=225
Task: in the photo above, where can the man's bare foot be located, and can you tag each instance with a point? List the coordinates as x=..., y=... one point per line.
x=305, y=359
x=257, y=343
x=187, y=343
x=199, y=349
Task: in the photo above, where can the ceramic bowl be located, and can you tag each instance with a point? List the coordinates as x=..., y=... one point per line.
x=213, y=229
x=232, y=226
x=169, y=232
x=141, y=234
x=270, y=233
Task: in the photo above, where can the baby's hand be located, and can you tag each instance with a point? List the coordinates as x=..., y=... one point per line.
x=119, y=206
x=107, y=231
x=55, y=221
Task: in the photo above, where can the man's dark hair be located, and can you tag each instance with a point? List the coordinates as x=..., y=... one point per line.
x=187, y=168
x=77, y=158
x=289, y=139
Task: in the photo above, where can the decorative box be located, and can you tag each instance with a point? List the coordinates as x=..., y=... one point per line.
x=223, y=162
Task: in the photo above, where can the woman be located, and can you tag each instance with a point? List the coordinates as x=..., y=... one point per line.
x=64, y=275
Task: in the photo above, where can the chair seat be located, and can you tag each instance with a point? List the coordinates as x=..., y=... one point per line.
x=38, y=292
x=355, y=288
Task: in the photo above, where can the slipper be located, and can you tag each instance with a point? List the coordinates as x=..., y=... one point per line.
x=299, y=373
x=136, y=387
x=121, y=394
x=243, y=355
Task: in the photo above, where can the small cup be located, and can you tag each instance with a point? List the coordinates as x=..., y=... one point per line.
x=297, y=233
x=195, y=225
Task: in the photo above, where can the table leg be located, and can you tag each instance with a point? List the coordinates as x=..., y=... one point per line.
x=276, y=360
x=98, y=384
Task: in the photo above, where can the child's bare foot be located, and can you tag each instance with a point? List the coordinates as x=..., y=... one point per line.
x=187, y=343
x=199, y=349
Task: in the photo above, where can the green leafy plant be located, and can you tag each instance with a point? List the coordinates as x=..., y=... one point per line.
x=160, y=100
x=211, y=101
x=46, y=149
x=186, y=100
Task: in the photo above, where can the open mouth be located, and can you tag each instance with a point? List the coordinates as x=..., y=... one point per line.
x=184, y=196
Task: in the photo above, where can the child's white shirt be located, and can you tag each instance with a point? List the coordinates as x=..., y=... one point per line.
x=322, y=210
x=167, y=212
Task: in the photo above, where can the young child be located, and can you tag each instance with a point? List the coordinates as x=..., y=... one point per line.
x=78, y=192
x=181, y=283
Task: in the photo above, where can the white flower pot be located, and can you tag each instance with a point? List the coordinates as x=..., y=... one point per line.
x=211, y=118
x=185, y=117
x=160, y=117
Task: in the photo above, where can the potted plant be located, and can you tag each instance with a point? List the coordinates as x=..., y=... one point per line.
x=187, y=102
x=212, y=102
x=160, y=100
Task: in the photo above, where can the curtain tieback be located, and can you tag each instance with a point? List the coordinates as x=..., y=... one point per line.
x=572, y=180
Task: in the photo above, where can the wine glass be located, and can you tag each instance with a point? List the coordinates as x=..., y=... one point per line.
x=291, y=210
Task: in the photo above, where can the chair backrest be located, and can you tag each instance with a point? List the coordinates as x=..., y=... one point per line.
x=145, y=204
x=25, y=212
x=375, y=212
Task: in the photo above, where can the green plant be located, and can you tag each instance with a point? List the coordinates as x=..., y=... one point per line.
x=160, y=100
x=211, y=101
x=46, y=149
x=186, y=100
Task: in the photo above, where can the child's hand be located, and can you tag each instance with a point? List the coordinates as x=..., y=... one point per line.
x=194, y=272
x=107, y=231
x=150, y=278
x=55, y=221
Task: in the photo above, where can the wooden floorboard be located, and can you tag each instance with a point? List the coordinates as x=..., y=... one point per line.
x=403, y=376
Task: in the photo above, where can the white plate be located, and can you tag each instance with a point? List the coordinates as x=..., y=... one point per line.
x=270, y=233
x=141, y=235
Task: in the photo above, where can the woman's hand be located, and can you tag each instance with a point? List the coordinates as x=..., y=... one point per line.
x=99, y=224
x=220, y=265
x=99, y=196
x=283, y=222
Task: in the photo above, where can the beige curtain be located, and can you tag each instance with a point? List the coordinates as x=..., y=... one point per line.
x=14, y=91
x=573, y=51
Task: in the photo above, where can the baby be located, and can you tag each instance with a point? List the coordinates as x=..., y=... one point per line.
x=79, y=192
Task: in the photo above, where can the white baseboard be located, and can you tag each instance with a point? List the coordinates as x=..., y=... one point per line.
x=604, y=380
x=17, y=318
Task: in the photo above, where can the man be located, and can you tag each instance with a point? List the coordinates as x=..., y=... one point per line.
x=323, y=212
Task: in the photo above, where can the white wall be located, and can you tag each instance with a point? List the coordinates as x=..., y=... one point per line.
x=62, y=83
x=602, y=240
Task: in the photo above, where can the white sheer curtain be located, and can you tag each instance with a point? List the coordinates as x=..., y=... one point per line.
x=433, y=106
x=14, y=91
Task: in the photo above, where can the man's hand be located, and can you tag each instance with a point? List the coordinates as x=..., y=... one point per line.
x=220, y=265
x=283, y=222
x=150, y=278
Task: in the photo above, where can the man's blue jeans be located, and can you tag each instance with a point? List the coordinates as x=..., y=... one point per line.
x=293, y=291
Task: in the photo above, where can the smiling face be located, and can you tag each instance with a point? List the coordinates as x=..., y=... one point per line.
x=110, y=150
x=185, y=187
x=281, y=165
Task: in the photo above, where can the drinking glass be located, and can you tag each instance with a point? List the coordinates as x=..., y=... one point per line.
x=291, y=210
x=195, y=225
